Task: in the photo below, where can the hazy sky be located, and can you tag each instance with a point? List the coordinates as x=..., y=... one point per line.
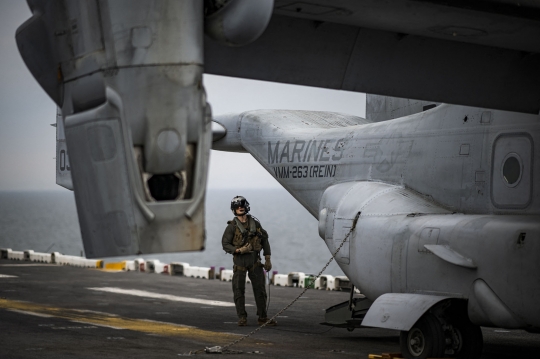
x=27, y=140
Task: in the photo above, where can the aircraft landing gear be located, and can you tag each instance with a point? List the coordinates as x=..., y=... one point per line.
x=424, y=340
x=436, y=336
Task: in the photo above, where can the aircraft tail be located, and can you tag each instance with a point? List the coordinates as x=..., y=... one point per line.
x=300, y=149
x=383, y=108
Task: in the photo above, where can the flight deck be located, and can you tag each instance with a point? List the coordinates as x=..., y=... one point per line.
x=48, y=311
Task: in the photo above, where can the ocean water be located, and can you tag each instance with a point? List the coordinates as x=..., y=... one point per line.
x=47, y=221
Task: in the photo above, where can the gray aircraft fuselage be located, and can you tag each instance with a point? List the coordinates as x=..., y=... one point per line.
x=448, y=203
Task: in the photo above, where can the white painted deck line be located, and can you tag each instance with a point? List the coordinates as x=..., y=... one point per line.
x=173, y=298
x=31, y=313
x=7, y=276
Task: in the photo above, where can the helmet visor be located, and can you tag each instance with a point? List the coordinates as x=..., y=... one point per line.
x=239, y=203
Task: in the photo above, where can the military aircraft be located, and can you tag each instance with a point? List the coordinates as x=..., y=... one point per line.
x=437, y=208
x=442, y=206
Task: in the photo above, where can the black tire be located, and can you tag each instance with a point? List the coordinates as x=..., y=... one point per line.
x=424, y=340
x=471, y=340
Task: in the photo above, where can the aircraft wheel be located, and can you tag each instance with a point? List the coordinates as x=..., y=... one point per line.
x=424, y=340
x=467, y=340
x=350, y=329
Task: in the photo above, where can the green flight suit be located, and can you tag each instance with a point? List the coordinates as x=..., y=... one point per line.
x=247, y=262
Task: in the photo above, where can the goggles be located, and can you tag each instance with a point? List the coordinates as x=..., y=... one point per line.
x=239, y=203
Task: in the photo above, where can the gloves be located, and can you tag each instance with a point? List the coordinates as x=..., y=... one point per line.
x=245, y=249
x=267, y=263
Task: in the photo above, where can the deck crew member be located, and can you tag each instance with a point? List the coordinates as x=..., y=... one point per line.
x=244, y=238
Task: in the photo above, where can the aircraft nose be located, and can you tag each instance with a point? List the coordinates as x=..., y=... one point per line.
x=218, y=131
x=227, y=127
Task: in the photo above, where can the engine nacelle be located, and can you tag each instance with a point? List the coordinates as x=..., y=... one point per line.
x=237, y=22
x=127, y=76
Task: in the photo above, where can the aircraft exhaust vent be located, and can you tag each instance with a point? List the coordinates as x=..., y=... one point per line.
x=165, y=187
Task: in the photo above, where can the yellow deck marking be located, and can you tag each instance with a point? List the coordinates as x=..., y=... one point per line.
x=108, y=320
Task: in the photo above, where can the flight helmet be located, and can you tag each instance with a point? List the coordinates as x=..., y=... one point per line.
x=239, y=201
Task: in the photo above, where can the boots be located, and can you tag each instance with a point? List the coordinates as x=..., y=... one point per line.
x=272, y=323
x=242, y=322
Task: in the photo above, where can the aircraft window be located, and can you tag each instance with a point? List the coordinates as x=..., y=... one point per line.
x=511, y=170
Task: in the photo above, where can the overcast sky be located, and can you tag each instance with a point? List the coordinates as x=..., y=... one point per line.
x=27, y=140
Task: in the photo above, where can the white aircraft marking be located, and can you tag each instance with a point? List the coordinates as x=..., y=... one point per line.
x=7, y=276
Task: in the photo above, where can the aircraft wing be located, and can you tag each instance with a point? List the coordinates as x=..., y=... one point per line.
x=476, y=53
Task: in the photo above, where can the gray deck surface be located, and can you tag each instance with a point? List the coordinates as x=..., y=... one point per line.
x=47, y=311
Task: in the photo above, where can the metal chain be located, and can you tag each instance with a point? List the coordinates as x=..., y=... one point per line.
x=301, y=294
